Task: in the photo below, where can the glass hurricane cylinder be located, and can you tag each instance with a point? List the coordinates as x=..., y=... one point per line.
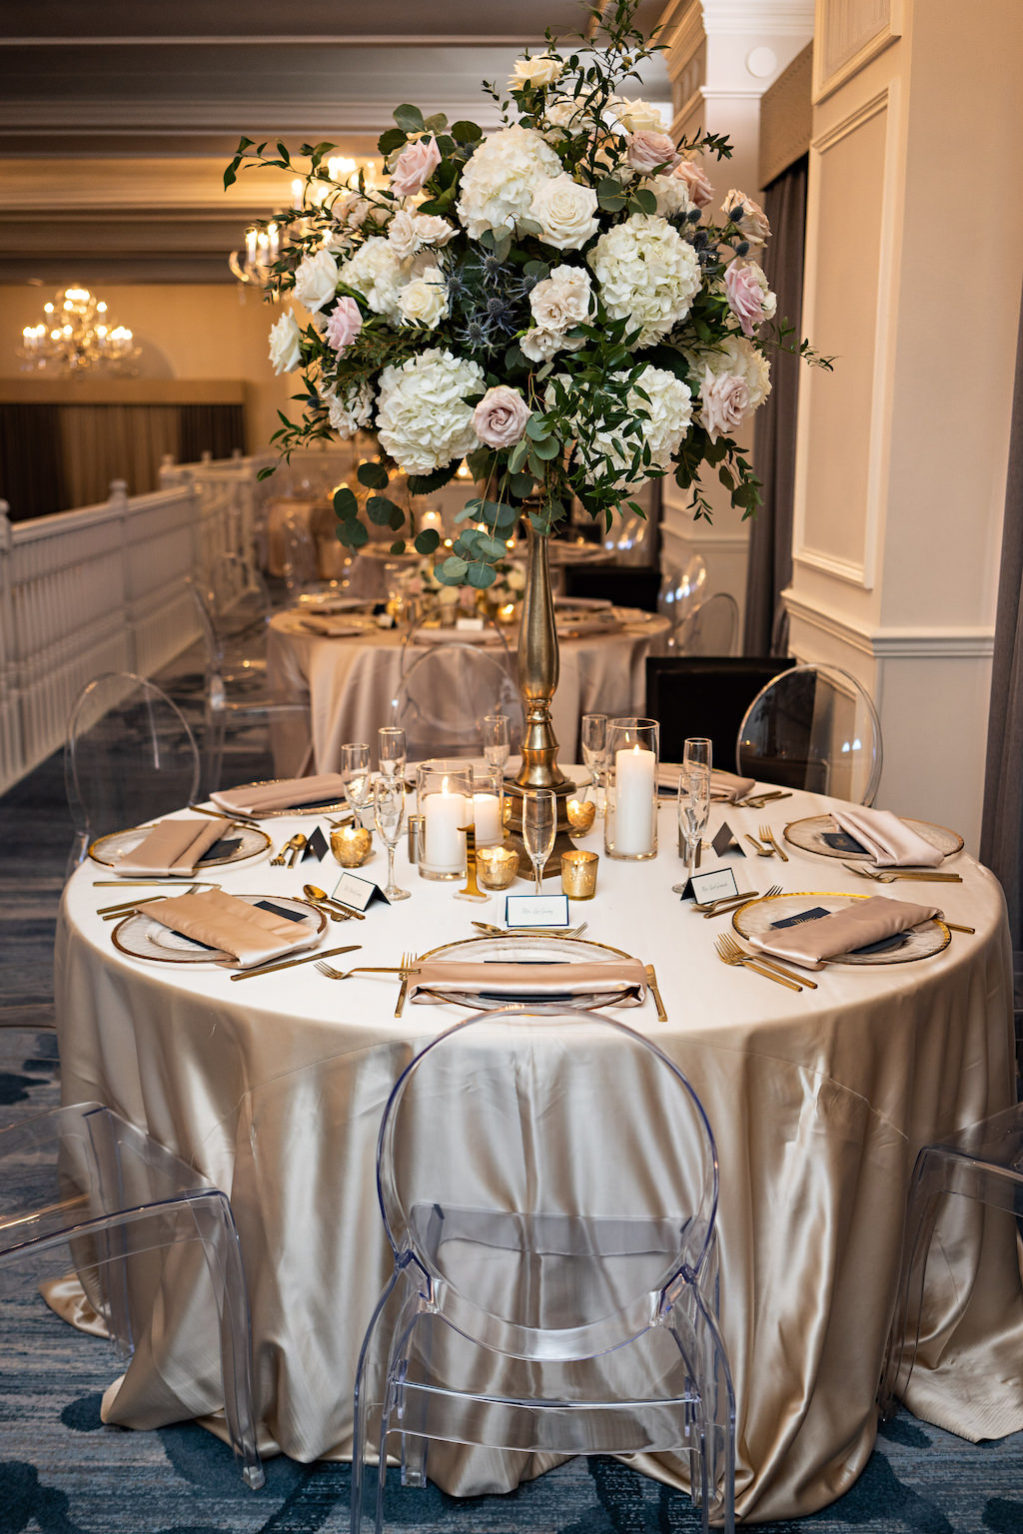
x=444, y=790
x=488, y=806
x=630, y=820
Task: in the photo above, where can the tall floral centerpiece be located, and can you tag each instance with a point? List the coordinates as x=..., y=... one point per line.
x=556, y=303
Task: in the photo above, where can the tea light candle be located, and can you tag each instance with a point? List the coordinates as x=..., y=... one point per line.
x=496, y=867
x=634, y=801
x=351, y=845
x=579, y=874
x=486, y=814
x=581, y=814
x=445, y=842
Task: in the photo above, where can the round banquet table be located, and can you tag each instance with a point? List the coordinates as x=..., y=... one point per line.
x=819, y=1102
x=351, y=679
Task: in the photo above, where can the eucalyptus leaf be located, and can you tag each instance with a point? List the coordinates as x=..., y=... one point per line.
x=380, y=511
x=352, y=534
x=481, y=575
x=549, y=448
x=427, y=540
x=408, y=117
x=345, y=504
x=392, y=139
x=372, y=475
x=452, y=570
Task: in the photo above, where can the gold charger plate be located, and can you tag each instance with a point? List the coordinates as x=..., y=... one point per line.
x=506, y=949
x=807, y=834
x=142, y=937
x=107, y=850
x=757, y=918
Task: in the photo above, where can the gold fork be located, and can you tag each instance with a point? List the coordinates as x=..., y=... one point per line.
x=726, y=957
x=932, y=875
x=768, y=838
x=731, y=902
x=280, y=858
x=727, y=944
x=761, y=852
x=361, y=969
x=408, y=961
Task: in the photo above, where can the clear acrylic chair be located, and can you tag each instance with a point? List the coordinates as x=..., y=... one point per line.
x=444, y=694
x=148, y=1236
x=240, y=608
x=680, y=594
x=712, y=628
x=549, y=1187
x=129, y=756
x=301, y=565
x=978, y=1166
x=813, y=727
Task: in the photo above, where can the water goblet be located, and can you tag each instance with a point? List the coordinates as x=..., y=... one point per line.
x=389, y=817
x=494, y=729
x=391, y=750
x=593, y=740
x=693, y=808
x=539, y=827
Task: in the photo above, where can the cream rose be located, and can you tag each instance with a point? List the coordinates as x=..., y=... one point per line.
x=500, y=417
x=542, y=70
x=414, y=166
x=410, y=232
x=647, y=150
x=540, y=345
x=424, y=300
x=316, y=280
x=562, y=299
x=285, y=353
x=735, y=379
x=747, y=216
x=637, y=116
x=565, y=212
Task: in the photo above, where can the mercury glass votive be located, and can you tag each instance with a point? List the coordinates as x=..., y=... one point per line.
x=581, y=811
x=351, y=845
x=579, y=874
x=496, y=867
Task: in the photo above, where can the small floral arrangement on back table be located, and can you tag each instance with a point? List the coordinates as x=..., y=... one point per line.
x=553, y=303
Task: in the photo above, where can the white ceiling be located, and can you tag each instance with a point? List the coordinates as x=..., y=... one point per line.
x=117, y=118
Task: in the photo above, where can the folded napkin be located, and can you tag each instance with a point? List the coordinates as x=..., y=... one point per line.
x=595, y=623
x=172, y=847
x=224, y=921
x=529, y=979
x=890, y=842
x=332, y=628
x=283, y=794
x=864, y=922
x=725, y=787
x=425, y=636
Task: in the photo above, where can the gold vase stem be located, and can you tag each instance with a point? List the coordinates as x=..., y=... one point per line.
x=538, y=679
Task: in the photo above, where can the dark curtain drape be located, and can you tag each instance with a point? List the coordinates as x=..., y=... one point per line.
x=213, y=429
x=774, y=441
x=1001, y=842
x=31, y=469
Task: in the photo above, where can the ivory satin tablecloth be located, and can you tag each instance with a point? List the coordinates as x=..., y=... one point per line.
x=819, y=1103
x=350, y=681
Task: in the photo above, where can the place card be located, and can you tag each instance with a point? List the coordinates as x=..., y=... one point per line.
x=316, y=847
x=725, y=842
x=718, y=884
x=536, y=910
x=470, y=625
x=356, y=892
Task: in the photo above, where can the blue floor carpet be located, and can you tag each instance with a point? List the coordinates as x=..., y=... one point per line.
x=63, y=1472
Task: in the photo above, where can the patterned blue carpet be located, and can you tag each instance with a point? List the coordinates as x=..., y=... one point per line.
x=63, y=1472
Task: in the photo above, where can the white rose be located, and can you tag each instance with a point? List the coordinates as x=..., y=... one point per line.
x=647, y=273
x=424, y=300
x=284, y=344
x=562, y=299
x=567, y=114
x=565, y=212
x=543, y=70
x=637, y=116
x=497, y=185
x=409, y=232
x=540, y=345
x=316, y=280
x=422, y=418
x=672, y=193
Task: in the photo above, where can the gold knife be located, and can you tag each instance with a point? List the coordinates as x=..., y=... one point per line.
x=651, y=980
x=307, y=958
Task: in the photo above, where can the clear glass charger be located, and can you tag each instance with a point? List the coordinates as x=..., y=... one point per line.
x=141, y=937
x=544, y=948
x=759, y=917
x=808, y=835
x=333, y=807
x=108, y=850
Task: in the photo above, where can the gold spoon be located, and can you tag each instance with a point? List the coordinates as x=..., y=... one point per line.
x=315, y=893
x=319, y=899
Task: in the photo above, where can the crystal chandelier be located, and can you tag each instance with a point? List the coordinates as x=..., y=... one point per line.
x=264, y=243
x=255, y=263
x=77, y=336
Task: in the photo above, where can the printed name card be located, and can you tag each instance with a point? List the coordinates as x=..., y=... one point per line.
x=716, y=885
x=356, y=892
x=536, y=910
x=470, y=625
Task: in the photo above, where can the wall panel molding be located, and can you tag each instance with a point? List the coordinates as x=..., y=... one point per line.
x=849, y=34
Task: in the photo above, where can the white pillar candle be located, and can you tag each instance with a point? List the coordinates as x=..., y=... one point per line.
x=445, y=842
x=634, y=801
x=486, y=814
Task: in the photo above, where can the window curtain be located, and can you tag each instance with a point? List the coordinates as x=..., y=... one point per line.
x=1001, y=841
x=106, y=442
x=774, y=441
x=31, y=464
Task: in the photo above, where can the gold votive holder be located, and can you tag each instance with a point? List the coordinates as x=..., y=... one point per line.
x=579, y=874
x=351, y=845
x=581, y=815
x=496, y=867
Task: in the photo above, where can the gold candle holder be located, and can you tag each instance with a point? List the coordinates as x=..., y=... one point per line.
x=351, y=845
x=581, y=815
x=496, y=867
x=579, y=874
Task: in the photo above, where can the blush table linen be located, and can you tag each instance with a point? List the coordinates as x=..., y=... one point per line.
x=819, y=1103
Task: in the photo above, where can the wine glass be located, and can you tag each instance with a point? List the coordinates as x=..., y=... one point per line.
x=539, y=827
x=389, y=817
x=693, y=808
x=357, y=779
x=593, y=740
x=494, y=730
x=699, y=752
x=391, y=750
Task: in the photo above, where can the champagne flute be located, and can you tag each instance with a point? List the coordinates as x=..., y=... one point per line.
x=593, y=740
x=494, y=729
x=539, y=827
x=698, y=751
x=357, y=778
x=391, y=750
x=693, y=808
x=389, y=817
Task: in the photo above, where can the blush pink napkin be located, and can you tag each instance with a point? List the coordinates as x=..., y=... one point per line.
x=172, y=847
x=331, y=628
x=536, y=980
x=571, y=627
x=285, y=793
x=224, y=921
x=890, y=842
x=725, y=787
x=863, y=922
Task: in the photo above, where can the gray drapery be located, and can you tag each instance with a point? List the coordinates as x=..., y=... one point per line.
x=774, y=442
x=1001, y=842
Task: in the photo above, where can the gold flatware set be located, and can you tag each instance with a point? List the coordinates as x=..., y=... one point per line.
x=731, y=952
x=889, y=875
x=729, y=903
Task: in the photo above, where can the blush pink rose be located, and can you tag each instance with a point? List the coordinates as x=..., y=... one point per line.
x=344, y=324
x=745, y=296
x=499, y=419
x=700, y=190
x=724, y=401
x=414, y=166
x=648, y=150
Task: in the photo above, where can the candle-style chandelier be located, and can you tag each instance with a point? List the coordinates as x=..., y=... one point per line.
x=75, y=336
x=264, y=243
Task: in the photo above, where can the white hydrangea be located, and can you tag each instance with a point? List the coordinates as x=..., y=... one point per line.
x=665, y=419
x=350, y=411
x=499, y=181
x=648, y=274
x=377, y=273
x=422, y=418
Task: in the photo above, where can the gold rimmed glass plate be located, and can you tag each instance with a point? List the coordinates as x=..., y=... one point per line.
x=108, y=850
x=544, y=948
x=141, y=937
x=809, y=836
x=760, y=917
x=333, y=807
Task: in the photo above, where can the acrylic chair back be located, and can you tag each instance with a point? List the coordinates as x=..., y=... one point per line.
x=443, y=696
x=813, y=727
x=711, y=628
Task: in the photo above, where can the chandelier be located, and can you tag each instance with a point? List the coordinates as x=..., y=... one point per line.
x=264, y=243
x=77, y=336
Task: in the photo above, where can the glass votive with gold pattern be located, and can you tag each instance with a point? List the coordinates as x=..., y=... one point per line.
x=351, y=845
x=581, y=811
x=496, y=867
x=579, y=874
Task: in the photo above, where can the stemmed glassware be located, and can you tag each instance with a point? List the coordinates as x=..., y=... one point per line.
x=494, y=729
x=593, y=740
x=389, y=817
x=693, y=808
x=391, y=750
x=358, y=779
x=539, y=827
x=699, y=752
